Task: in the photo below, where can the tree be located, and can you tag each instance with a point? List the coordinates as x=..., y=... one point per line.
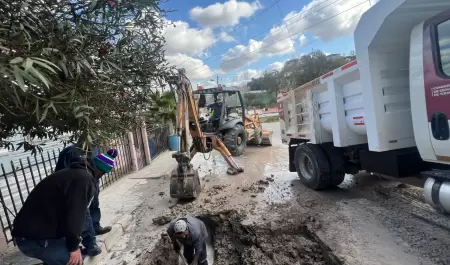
x=84, y=67
x=295, y=73
x=162, y=109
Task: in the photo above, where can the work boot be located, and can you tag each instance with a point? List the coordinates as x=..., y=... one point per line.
x=92, y=251
x=103, y=230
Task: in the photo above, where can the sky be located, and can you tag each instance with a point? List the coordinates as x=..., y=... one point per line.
x=241, y=39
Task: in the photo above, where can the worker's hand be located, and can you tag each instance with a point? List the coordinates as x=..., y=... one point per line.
x=75, y=258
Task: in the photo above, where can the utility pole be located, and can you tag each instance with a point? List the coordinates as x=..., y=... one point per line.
x=217, y=80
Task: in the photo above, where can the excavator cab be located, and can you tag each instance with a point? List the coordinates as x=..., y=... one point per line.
x=221, y=111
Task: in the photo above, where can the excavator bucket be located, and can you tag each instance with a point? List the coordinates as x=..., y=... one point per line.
x=185, y=186
x=267, y=137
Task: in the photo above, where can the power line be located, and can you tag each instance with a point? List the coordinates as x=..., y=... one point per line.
x=309, y=11
x=290, y=36
x=236, y=29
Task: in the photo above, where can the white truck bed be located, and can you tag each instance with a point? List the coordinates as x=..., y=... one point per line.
x=332, y=108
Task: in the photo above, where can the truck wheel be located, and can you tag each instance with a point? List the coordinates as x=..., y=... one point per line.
x=312, y=166
x=257, y=140
x=235, y=140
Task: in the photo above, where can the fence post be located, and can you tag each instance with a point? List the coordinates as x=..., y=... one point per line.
x=148, y=158
x=134, y=161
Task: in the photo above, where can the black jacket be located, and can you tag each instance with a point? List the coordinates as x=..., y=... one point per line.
x=56, y=207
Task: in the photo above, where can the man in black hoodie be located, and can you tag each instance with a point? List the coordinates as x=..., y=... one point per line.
x=49, y=225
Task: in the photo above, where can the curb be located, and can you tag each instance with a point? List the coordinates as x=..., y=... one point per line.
x=164, y=175
x=107, y=241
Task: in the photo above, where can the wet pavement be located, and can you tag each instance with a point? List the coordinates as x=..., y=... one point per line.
x=367, y=220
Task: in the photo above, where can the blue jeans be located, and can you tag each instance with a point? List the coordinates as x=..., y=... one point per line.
x=50, y=251
x=92, y=221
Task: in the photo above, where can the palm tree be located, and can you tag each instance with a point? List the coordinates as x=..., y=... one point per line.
x=162, y=109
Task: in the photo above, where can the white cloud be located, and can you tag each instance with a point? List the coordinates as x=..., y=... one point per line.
x=340, y=22
x=248, y=74
x=226, y=14
x=223, y=36
x=276, y=43
x=276, y=66
x=196, y=69
x=302, y=40
x=341, y=18
x=180, y=38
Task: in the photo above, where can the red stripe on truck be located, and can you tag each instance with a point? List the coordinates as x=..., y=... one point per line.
x=327, y=75
x=358, y=117
x=346, y=66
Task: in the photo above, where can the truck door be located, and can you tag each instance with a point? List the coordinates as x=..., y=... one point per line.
x=437, y=83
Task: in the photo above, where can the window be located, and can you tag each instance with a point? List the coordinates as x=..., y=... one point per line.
x=443, y=31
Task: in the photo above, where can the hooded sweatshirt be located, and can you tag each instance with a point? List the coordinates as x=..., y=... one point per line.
x=56, y=207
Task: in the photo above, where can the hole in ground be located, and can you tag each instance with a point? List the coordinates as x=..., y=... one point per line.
x=236, y=243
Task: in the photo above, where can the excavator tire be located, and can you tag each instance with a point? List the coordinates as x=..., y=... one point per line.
x=234, y=140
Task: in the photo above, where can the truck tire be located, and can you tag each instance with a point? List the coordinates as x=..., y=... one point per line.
x=257, y=140
x=234, y=140
x=312, y=166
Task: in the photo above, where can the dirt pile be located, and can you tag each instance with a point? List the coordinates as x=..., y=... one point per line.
x=239, y=243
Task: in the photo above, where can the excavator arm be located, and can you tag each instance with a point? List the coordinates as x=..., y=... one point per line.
x=185, y=182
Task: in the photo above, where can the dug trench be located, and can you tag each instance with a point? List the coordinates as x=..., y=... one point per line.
x=236, y=241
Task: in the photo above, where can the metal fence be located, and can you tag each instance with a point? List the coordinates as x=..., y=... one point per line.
x=139, y=148
x=17, y=181
x=158, y=140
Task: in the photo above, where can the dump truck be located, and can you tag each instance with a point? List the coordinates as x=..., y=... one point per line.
x=387, y=112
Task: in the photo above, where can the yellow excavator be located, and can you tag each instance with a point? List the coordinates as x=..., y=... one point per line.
x=225, y=127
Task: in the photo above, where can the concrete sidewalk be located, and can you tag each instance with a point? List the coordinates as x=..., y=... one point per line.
x=117, y=203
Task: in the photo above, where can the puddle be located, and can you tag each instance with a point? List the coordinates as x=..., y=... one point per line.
x=237, y=242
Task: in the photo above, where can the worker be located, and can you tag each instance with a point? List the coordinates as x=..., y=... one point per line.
x=92, y=225
x=192, y=234
x=50, y=223
x=216, y=110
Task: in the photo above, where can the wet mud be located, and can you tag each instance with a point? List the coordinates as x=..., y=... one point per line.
x=237, y=241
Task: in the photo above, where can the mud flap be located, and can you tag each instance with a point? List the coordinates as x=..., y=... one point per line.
x=186, y=186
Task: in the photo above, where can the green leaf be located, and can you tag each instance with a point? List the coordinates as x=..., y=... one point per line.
x=37, y=109
x=27, y=76
x=44, y=115
x=62, y=95
x=114, y=65
x=46, y=62
x=88, y=66
x=79, y=115
x=92, y=5
x=28, y=64
x=87, y=107
x=46, y=66
x=40, y=76
x=19, y=78
x=18, y=100
x=49, y=50
x=89, y=138
x=62, y=65
x=16, y=60
x=53, y=107
x=76, y=40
